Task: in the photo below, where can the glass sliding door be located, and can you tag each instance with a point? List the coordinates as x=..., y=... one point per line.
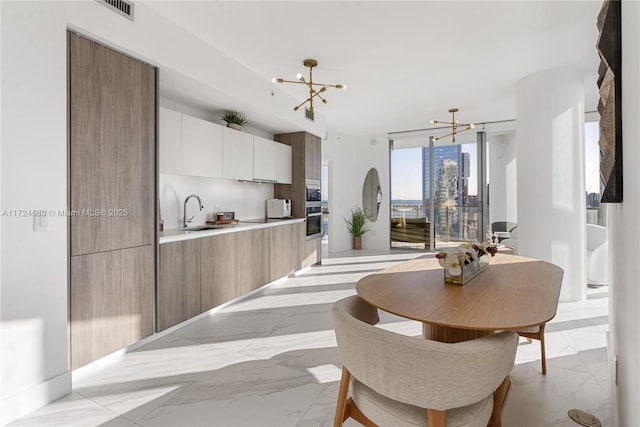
x=453, y=176
x=435, y=197
x=410, y=227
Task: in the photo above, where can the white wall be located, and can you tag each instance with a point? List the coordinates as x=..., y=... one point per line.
x=349, y=159
x=33, y=316
x=503, y=197
x=247, y=200
x=624, y=230
x=551, y=180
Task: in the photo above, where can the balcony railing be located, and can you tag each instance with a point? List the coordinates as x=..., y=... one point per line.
x=451, y=224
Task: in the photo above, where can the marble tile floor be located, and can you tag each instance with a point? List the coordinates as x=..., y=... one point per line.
x=270, y=360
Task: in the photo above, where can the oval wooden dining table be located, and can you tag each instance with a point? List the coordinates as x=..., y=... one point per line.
x=514, y=293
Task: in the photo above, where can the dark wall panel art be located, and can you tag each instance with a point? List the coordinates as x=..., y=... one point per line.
x=609, y=106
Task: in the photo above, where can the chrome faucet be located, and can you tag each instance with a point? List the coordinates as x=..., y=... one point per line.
x=185, y=220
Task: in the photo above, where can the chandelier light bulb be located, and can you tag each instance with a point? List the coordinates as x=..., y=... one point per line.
x=299, y=76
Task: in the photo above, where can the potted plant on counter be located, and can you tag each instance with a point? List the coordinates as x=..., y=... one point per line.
x=356, y=226
x=234, y=119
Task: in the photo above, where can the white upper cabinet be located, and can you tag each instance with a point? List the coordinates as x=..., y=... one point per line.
x=284, y=163
x=237, y=154
x=195, y=147
x=170, y=142
x=265, y=159
x=201, y=148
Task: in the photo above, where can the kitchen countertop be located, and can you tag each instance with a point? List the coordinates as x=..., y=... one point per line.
x=177, y=235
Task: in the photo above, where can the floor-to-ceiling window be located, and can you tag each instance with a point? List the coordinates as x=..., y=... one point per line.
x=434, y=192
x=407, y=205
x=452, y=179
x=595, y=213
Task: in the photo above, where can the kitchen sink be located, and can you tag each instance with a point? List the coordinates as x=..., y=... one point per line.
x=198, y=227
x=207, y=227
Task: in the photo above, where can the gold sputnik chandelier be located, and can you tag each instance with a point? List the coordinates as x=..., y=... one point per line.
x=310, y=63
x=454, y=126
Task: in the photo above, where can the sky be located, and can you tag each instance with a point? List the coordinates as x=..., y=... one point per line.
x=406, y=167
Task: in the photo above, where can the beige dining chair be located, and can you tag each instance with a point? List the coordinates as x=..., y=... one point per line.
x=397, y=380
x=536, y=333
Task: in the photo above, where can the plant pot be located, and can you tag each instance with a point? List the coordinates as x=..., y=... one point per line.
x=234, y=126
x=357, y=242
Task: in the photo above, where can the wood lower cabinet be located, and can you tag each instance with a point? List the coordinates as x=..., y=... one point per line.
x=197, y=275
x=112, y=304
x=217, y=270
x=232, y=265
x=280, y=240
x=312, y=252
x=179, y=286
x=305, y=252
x=252, y=260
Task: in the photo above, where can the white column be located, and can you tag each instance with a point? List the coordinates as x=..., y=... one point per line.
x=502, y=178
x=551, y=188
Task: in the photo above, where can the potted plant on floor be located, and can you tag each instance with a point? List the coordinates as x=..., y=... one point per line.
x=234, y=119
x=356, y=226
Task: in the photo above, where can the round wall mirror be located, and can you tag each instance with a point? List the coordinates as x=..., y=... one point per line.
x=371, y=194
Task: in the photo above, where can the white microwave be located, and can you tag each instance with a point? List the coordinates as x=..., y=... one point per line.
x=278, y=208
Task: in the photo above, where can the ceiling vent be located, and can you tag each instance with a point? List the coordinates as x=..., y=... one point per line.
x=308, y=114
x=121, y=7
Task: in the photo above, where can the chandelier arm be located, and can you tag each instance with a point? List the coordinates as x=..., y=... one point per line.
x=300, y=105
x=306, y=83
x=326, y=85
x=291, y=81
x=319, y=96
x=452, y=133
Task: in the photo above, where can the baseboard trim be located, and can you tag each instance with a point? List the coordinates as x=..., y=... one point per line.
x=27, y=401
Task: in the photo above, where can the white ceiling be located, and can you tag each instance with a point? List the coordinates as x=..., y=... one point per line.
x=404, y=63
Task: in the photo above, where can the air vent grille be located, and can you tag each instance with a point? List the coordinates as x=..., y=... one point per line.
x=308, y=114
x=121, y=7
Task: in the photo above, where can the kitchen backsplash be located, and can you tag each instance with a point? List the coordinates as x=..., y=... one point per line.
x=248, y=200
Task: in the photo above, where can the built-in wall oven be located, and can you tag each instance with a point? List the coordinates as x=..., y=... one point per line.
x=314, y=220
x=313, y=210
x=313, y=190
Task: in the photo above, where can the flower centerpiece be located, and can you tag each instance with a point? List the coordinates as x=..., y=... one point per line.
x=465, y=262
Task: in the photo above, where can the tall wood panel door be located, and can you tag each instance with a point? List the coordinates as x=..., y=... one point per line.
x=112, y=193
x=112, y=148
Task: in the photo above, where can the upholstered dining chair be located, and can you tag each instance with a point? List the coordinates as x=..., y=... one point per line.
x=397, y=380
